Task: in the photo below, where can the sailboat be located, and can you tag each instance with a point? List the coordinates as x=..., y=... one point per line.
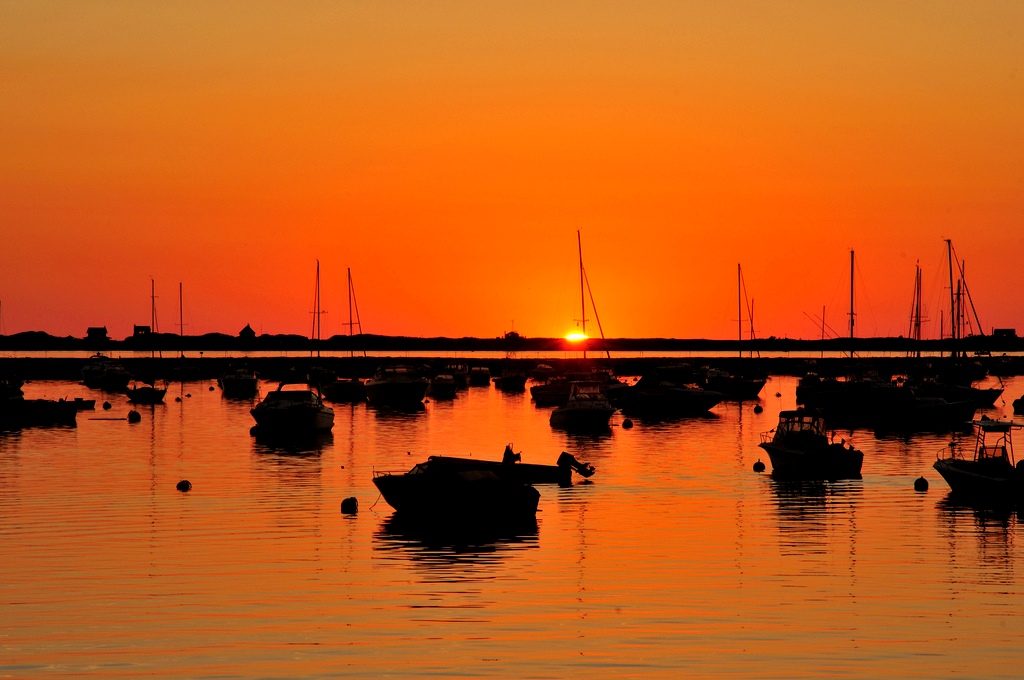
x=348, y=390
x=585, y=288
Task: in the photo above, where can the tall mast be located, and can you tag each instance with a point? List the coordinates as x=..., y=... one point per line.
x=315, y=332
x=952, y=295
x=739, y=307
x=583, y=304
x=152, y=313
x=851, y=302
x=181, y=325
x=353, y=303
x=350, y=302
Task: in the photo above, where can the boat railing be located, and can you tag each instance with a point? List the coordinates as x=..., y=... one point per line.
x=766, y=437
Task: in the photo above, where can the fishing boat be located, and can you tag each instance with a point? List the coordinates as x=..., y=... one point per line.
x=586, y=409
x=292, y=412
x=990, y=473
x=801, y=447
x=396, y=386
x=439, y=489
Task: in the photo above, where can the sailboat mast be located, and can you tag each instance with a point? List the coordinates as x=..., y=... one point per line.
x=181, y=325
x=350, y=302
x=851, y=302
x=952, y=293
x=739, y=306
x=583, y=303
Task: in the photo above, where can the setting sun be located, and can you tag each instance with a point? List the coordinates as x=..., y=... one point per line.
x=575, y=336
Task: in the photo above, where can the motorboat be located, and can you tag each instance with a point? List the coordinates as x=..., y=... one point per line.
x=439, y=490
x=345, y=391
x=990, y=473
x=239, y=383
x=586, y=409
x=511, y=467
x=479, y=376
x=17, y=412
x=460, y=372
x=511, y=380
x=292, y=412
x=801, y=447
x=103, y=373
x=443, y=386
x=80, y=404
x=654, y=397
x=396, y=386
x=146, y=394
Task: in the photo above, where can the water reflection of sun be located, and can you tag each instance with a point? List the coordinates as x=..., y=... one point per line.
x=575, y=336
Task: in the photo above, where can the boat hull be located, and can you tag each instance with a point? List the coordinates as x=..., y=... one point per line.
x=457, y=493
x=293, y=420
x=396, y=394
x=987, y=480
x=833, y=461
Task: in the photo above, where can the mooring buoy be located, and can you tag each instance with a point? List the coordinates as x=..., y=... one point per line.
x=627, y=423
x=758, y=408
x=350, y=506
x=211, y=388
x=920, y=484
x=758, y=466
x=106, y=406
x=134, y=416
x=184, y=485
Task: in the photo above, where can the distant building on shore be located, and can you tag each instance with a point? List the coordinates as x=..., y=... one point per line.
x=96, y=336
x=247, y=333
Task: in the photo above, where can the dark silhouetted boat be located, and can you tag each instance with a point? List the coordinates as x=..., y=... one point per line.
x=586, y=409
x=146, y=394
x=298, y=412
x=396, y=387
x=81, y=404
x=345, y=391
x=443, y=386
x=990, y=473
x=1018, y=405
x=479, y=376
x=801, y=448
x=512, y=469
x=103, y=373
x=511, y=380
x=239, y=383
x=453, y=492
x=653, y=397
x=17, y=412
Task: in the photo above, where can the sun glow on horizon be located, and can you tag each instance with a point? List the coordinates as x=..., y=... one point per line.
x=575, y=336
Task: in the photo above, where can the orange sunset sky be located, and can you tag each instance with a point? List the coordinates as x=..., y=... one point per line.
x=448, y=151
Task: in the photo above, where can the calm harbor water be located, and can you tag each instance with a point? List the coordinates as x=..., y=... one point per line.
x=676, y=560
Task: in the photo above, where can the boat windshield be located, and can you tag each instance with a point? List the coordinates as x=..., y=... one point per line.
x=797, y=421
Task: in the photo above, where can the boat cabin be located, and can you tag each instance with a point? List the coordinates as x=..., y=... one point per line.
x=800, y=421
x=1001, y=449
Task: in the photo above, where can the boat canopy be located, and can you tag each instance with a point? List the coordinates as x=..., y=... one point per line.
x=800, y=421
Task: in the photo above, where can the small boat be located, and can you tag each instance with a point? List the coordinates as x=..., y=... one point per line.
x=397, y=387
x=17, y=412
x=587, y=409
x=345, y=391
x=146, y=394
x=653, y=397
x=479, y=376
x=512, y=469
x=991, y=473
x=511, y=380
x=443, y=386
x=239, y=383
x=80, y=404
x=800, y=447
x=460, y=372
x=434, y=489
x=103, y=373
x=292, y=412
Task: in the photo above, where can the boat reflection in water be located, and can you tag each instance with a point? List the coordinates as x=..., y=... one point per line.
x=458, y=547
x=295, y=444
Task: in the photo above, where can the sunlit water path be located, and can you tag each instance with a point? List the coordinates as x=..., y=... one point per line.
x=676, y=560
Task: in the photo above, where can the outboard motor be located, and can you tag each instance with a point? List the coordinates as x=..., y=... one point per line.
x=568, y=460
